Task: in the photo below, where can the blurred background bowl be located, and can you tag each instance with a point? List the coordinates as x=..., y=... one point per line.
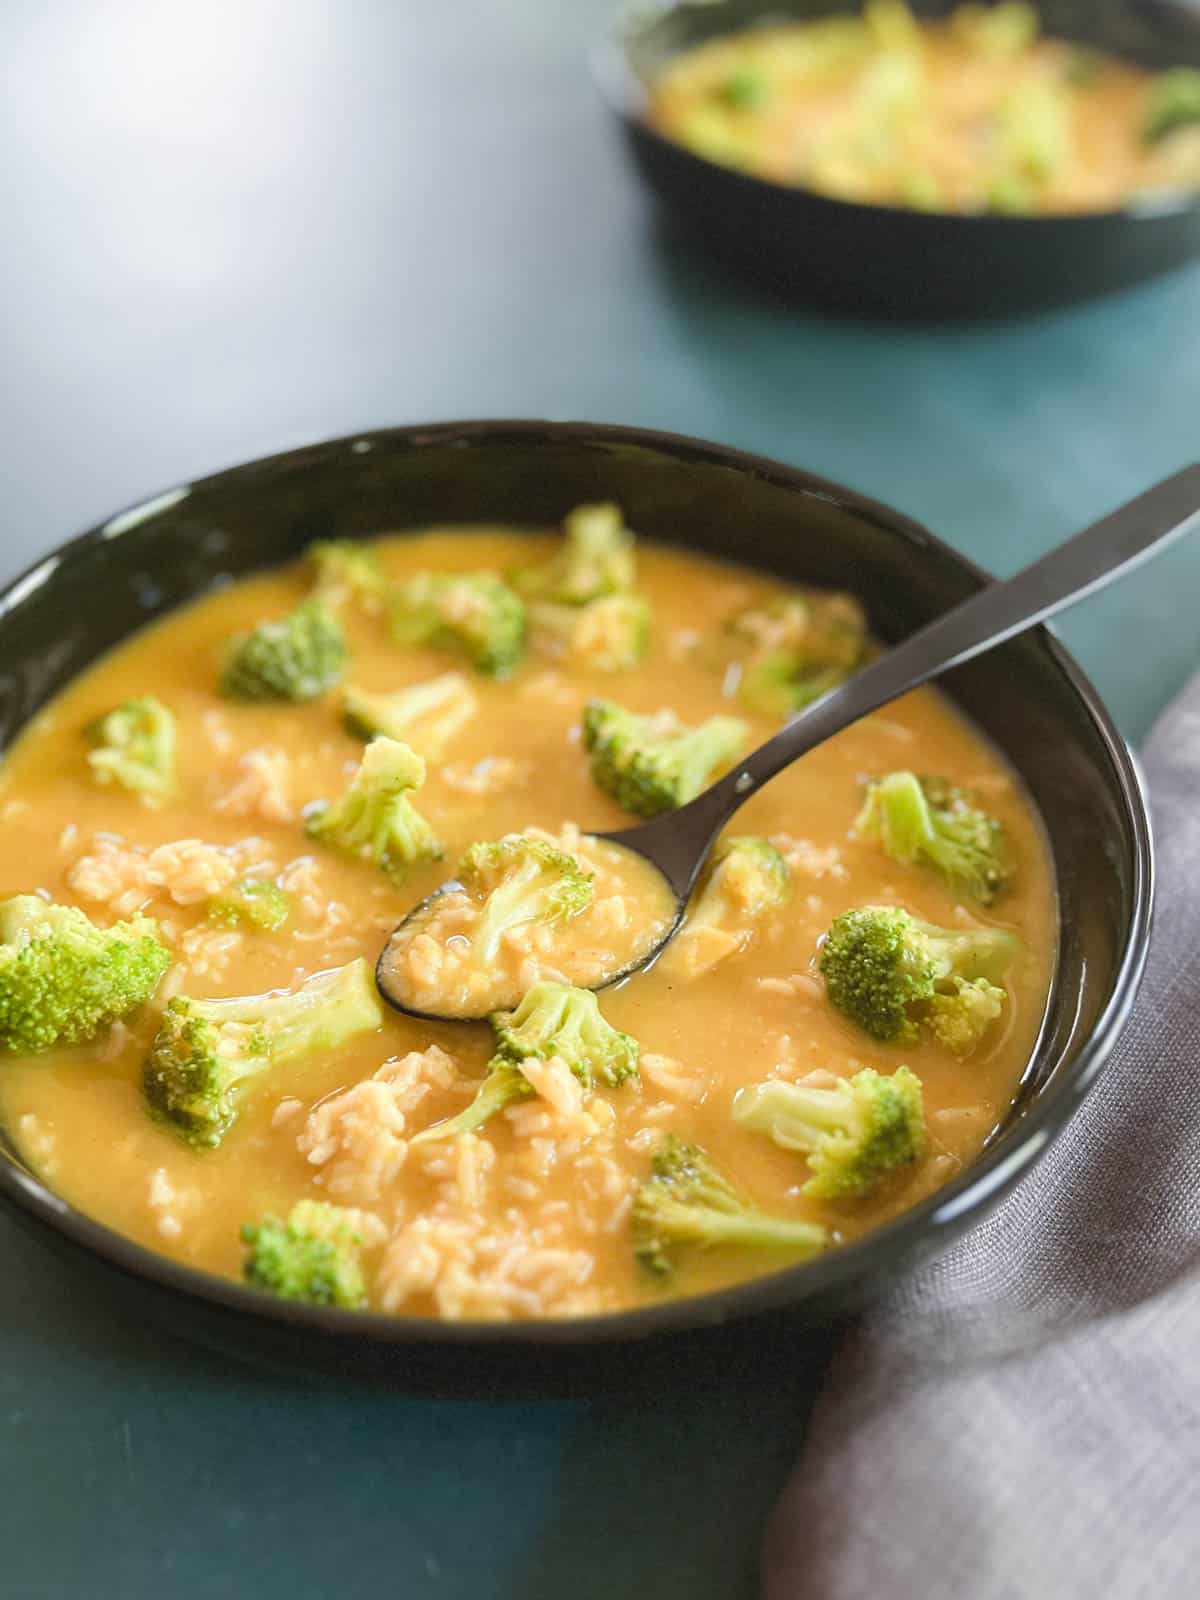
x=1028, y=697
x=883, y=260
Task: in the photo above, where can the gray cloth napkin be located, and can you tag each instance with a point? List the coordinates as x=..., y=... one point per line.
x=1021, y=1420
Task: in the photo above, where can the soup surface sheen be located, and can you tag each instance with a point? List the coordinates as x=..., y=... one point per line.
x=976, y=114
x=531, y=1216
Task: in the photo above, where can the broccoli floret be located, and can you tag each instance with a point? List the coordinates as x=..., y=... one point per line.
x=892, y=26
x=251, y=903
x=686, y=1201
x=919, y=190
x=554, y=1019
x=781, y=684
x=895, y=976
x=889, y=92
x=854, y=1134
x=1011, y=194
x=610, y=634
x=206, y=1051
x=134, y=746
x=828, y=44
x=654, y=764
x=313, y=1256
x=425, y=715
x=595, y=559
x=1035, y=131
x=929, y=821
x=746, y=89
x=710, y=131
x=800, y=648
x=996, y=30
x=375, y=820
x=824, y=625
x=295, y=658
x=521, y=879
x=959, y=1016
x=474, y=613
x=346, y=568
x=1173, y=101
x=62, y=979
x=748, y=879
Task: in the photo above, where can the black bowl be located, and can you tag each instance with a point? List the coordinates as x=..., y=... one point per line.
x=882, y=260
x=1028, y=697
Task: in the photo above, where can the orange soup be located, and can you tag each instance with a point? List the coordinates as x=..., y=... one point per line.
x=244, y=1103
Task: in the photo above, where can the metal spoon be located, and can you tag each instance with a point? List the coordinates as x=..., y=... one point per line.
x=677, y=843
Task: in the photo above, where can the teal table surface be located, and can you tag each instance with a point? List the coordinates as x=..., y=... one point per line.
x=233, y=228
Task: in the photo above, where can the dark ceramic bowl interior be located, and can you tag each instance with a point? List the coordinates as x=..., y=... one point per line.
x=1028, y=697
x=881, y=260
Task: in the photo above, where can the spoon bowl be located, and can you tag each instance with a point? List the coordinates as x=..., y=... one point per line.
x=676, y=844
x=481, y=989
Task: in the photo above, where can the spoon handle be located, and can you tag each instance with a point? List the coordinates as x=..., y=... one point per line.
x=1096, y=557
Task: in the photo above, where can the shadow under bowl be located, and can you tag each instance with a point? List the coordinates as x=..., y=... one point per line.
x=1028, y=698
x=883, y=260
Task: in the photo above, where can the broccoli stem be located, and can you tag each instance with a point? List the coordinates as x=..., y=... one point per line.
x=756, y=1229
x=796, y=1117
x=504, y=1085
x=511, y=904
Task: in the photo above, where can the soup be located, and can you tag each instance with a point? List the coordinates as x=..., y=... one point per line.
x=742, y=1105
x=973, y=114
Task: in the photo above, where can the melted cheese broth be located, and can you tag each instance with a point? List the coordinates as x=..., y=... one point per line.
x=78, y=1114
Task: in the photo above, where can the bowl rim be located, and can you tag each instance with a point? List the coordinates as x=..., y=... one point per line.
x=622, y=88
x=926, y=1227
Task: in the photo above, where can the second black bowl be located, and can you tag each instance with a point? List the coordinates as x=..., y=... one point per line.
x=881, y=259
